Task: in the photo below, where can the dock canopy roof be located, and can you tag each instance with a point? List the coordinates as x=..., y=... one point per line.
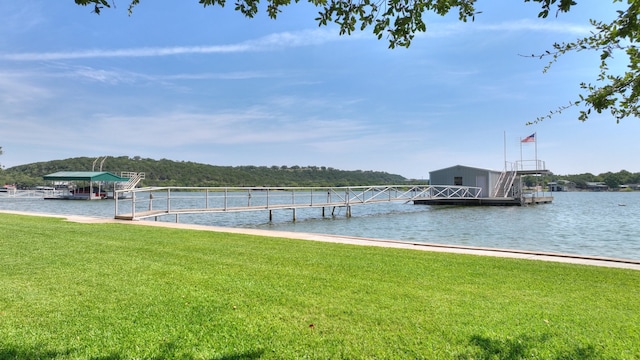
x=84, y=176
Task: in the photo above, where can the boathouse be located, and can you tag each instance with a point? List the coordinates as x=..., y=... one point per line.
x=561, y=185
x=91, y=185
x=496, y=188
x=460, y=175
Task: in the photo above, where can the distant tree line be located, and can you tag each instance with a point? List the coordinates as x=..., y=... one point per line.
x=185, y=173
x=611, y=179
x=165, y=172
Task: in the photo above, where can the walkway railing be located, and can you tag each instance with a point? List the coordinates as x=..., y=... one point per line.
x=134, y=179
x=158, y=201
x=530, y=165
x=31, y=194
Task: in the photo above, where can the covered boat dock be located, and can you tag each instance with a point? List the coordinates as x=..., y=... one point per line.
x=94, y=181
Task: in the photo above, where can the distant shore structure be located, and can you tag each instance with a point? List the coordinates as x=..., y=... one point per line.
x=91, y=185
x=498, y=188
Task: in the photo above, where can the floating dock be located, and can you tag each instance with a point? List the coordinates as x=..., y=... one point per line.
x=498, y=188
x=494, y=201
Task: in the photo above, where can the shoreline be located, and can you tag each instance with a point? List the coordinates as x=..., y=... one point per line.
x=351, y=240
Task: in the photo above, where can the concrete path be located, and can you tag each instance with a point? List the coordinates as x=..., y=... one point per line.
x=471, y=250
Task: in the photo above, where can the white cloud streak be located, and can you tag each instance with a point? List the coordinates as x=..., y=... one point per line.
x=523, y=25
x=15, y=89
x=267, y=43
x=290, y=40
x=539, y=26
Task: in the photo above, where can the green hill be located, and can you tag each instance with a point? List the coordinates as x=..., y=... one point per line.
x=185, y=173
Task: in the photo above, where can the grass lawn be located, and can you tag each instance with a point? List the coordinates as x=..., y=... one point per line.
x=117, y=291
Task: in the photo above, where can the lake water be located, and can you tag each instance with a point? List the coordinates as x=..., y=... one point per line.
x=583, y=223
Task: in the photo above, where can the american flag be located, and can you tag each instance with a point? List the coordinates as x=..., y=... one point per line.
x=530, y=138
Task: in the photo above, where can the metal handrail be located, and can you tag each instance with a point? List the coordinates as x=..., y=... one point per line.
x=530, y=165
x=134, y=179
x=156, y=201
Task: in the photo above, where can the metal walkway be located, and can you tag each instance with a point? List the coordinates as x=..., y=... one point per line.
x=30, y=194
x=152, y=202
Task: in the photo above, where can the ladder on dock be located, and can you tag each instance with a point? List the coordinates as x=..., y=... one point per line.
x=504, y=185
x=134, y=179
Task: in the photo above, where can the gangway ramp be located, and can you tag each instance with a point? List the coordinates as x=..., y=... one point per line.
x=153, y=202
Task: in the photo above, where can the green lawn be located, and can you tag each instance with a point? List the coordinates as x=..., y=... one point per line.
x=117, y=291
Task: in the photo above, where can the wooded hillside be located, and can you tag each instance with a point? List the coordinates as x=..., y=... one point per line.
x=611, y=179
x=184, y=173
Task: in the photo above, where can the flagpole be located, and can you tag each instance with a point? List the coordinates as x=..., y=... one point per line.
x=520, y=153
x=535, y=136
x=505, y=150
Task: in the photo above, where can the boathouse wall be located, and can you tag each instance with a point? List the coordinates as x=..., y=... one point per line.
x=460, y=175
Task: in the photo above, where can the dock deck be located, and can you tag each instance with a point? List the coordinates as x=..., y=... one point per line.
x=155, y=213
x=153, y=202
x=487, y=201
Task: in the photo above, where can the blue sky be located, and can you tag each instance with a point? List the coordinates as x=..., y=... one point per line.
x=187, y=83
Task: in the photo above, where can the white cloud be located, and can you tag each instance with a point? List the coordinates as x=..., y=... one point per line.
x=20, y=17
x=15, y=89
x=443, y=30
x=266, y=43
x=235, y=75
x=540, y=25
x=249, y=127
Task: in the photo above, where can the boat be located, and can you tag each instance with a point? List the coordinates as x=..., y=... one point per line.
x=8, y=189
x=88, y=192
